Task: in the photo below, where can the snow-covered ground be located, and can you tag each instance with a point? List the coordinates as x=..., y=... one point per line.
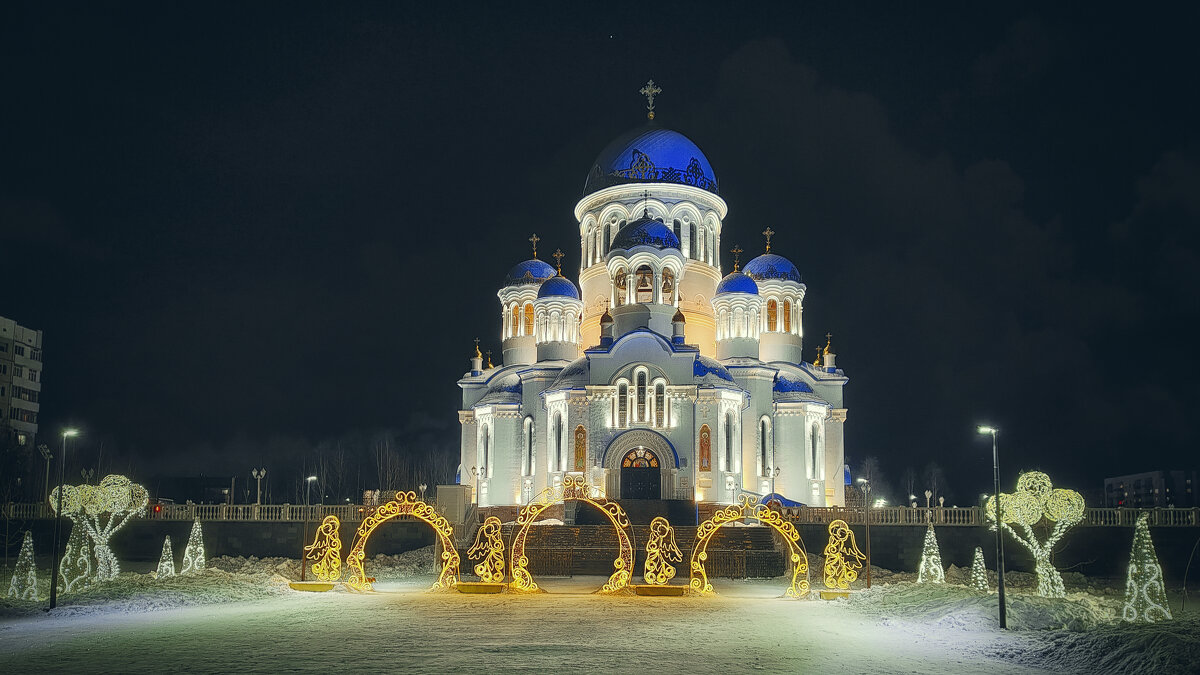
x=241, y=616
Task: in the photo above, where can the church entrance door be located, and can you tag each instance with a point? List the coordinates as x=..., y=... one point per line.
x=641, y=475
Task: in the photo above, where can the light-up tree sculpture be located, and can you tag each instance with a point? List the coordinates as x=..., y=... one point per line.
x=931, y=560
x=1035, y=501
x=24, y=579
x=76, y=570
x=1145, y=595
x=979, y=580
x=102, y=510
x=193, y=554
x=166, y=562
x=843, y=560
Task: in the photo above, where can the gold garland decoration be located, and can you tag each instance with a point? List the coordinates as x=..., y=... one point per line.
x=746, y=507
x=404, y=504
x=661, y=551
x=843, y=560
x=490, y=546
x=326, y=550
x=574, y=488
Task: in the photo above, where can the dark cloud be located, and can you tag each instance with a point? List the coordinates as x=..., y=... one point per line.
x=1021, y=58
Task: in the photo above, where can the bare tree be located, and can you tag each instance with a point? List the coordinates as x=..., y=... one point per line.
x=909, y=479
x=935, y=480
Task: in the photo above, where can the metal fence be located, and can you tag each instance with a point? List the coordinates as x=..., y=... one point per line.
x=971, y=516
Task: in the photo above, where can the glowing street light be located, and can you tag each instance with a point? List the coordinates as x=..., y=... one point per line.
x=865, y=486
x=304, y=558
x=258, y=475
x=62, y=480
x=999, y=539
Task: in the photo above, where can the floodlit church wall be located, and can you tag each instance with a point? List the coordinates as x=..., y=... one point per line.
x=835, y=457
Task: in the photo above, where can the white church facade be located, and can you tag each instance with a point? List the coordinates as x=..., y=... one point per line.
x=656, y=376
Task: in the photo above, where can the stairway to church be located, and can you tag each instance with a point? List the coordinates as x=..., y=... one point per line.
x=568, y=550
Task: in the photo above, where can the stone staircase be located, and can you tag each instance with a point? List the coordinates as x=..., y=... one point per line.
x=568, y=550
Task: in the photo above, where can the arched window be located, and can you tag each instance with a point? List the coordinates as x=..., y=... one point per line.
x=772, y=313
x=641, y=395
x=816, y=471
x=730, y=443
x=529, y=318
x=644, y=285
x=556, y=443
x=692, y=242
x=528, y=465
x=660, y=404
x=485, y=466
x=787, y=316
x=677, y=227
x=622, y=404
x=668, y=287
x=514, y=324
x=590, y=251
x=621, y=283
x=606, y=240
x=712, y=236
x=764, y=444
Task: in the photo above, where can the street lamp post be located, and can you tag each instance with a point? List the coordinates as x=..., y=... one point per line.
x=303, y=558
x=774, y=475
x=422, y=486
x=999, y=539
x=46, y=454
x=258, y=475
x=475, y=474
x=865, y=485
x=62, y=480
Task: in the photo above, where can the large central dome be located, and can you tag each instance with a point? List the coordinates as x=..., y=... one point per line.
x=651, y=154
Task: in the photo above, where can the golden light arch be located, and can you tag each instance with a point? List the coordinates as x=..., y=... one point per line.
x=748, y=508
x=404, y=504
x=574, y=488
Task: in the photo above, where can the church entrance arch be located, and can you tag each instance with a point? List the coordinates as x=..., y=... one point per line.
x=748, y=507
x=574, y=488
x=404, y=504
x=641, y=475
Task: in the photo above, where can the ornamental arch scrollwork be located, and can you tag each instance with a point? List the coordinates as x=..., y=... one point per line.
x=404, y=504
x=747, y=507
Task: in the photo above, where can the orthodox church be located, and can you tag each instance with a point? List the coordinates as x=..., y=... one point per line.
x=654, y=377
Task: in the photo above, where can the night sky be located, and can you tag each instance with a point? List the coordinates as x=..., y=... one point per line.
x=261, y=220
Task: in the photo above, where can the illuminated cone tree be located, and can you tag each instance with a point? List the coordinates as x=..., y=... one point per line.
x=102, y=510
x=24, y=580
x=1036, y=501
x=931, y=561
x=75, y=572
x=979, y=580
x=193, y=555
x=166, y=562
x=1145, y=595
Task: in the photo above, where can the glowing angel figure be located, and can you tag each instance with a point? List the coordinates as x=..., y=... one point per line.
x=1034, y=501
x=326, y=550
x=661, y=551
x=843, y=560
x=1145, y=595
x=102, y=510
x=489, y=545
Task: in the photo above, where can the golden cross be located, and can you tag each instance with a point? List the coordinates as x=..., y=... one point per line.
x=535, y=239
x=767, y=233
x=489, y=357
x=558, y=256
x=828, y=339
x=650, y=91
x=737, y=252
x=477, y=354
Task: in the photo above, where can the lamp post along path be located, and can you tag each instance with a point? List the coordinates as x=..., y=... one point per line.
x=866, y=490
x=62, y=481
x=999, y=539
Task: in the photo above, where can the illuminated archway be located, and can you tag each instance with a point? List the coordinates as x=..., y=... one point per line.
x=404, y=504
x=574, y=488
x=747, y=507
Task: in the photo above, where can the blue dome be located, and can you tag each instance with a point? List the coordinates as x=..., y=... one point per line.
x=558, y=286
x=651, y=154
x=736, y=282
x=529, y=272
x=704, y=365
x=788, y=385
x=771, y=266
x=645, y=232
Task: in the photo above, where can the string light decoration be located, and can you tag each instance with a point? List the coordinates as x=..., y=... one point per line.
x=23, y=585
x=488, y=545
x=931, y=561
x=1034, y=501
x=1145, y=595
x=574, y=488
x=75, y=572
x=661, y=551
x=748, y=507
x=166, y=561
x=979, y=579
x=102, y=509
x=326, y=550
x=404, y=504
x=843, y=560
x=193, y=554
